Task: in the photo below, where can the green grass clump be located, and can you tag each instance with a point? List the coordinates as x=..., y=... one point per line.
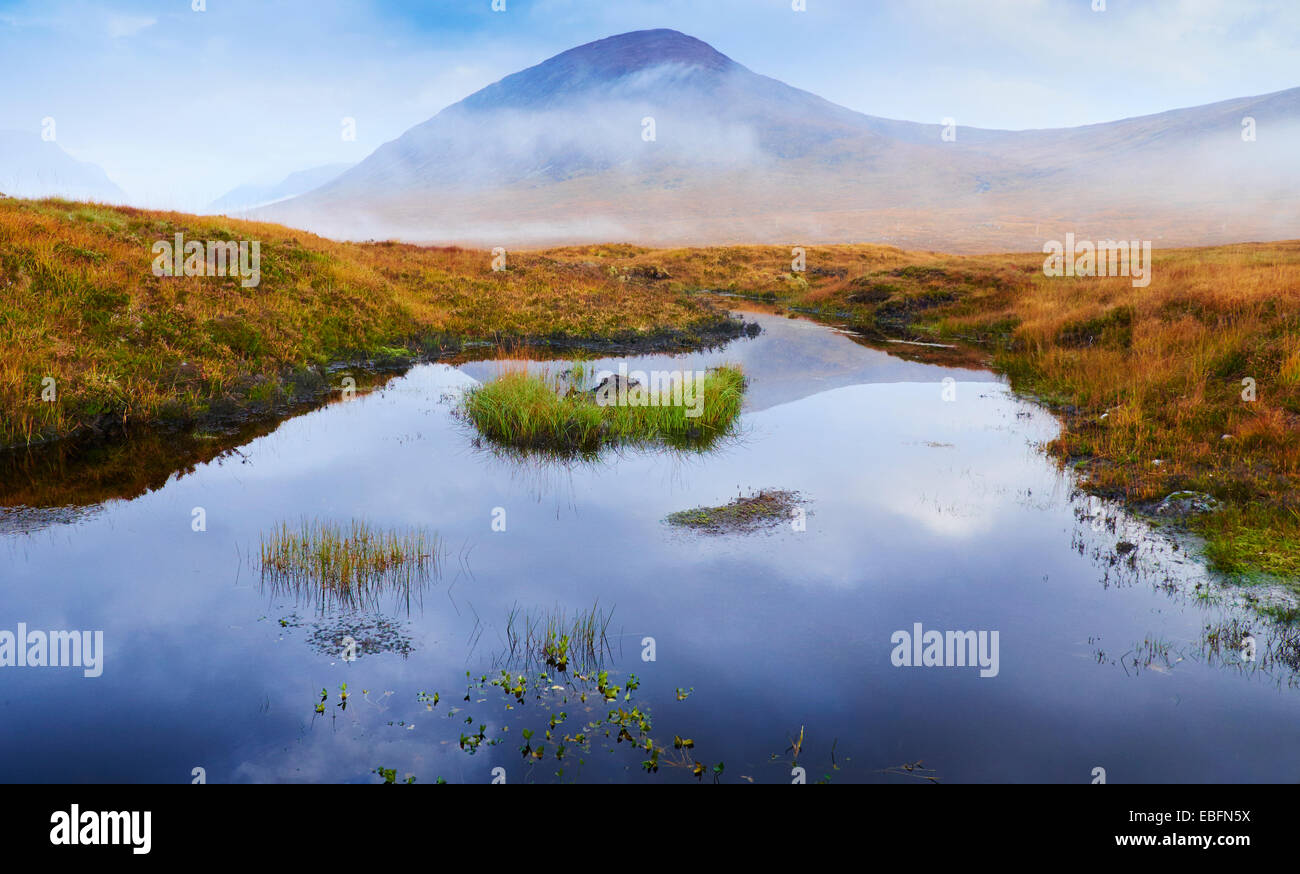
x=1257, y=542
x=347, y=565
x=534, y=411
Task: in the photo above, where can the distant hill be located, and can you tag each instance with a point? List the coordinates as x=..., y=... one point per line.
x=33, y=167
x=246, y=197
x=559, y=153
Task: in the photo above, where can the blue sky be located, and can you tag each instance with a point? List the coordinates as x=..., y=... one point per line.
x=179, y=106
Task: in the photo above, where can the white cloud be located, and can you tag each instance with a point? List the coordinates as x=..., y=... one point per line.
x=128, y=25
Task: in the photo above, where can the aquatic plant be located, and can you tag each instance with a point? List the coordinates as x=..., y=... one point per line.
x=915, y=769
x=556, y=639
x=346, y=564
x=353, y=636
x=389, y=775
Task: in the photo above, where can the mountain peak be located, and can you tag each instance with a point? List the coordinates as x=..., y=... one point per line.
x=599, y=64
x=628, y=52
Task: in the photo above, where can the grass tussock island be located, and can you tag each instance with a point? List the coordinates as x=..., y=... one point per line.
x=1189, y=383
x=765, y=509
x=94, y=340
x=558, y=413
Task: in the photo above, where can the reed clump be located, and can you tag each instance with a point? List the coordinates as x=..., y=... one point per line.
x=558, y=640
x=347, y=564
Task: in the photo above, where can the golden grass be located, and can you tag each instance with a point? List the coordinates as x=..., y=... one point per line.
x=79, y=304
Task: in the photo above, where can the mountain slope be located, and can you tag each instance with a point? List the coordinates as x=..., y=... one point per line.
x=33, y=167
x=249, y=196
x=564, y=152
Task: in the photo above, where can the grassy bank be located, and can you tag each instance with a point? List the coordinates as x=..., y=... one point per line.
x=93, y=339
x=1153, y=385
x=559, y=413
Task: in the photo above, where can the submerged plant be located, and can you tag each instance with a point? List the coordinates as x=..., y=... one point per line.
x=915, y=769
x=353, y=636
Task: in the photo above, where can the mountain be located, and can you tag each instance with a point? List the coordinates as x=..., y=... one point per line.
x=566, y=151
x=246, y=197
x=33, y=167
